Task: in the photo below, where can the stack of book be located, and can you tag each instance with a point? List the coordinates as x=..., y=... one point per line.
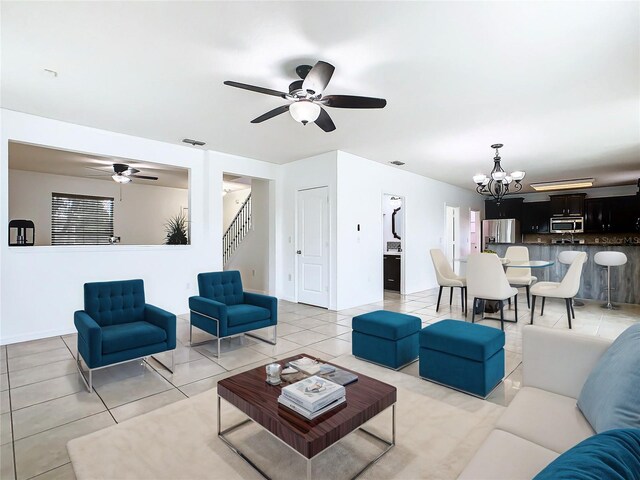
x=312, y=396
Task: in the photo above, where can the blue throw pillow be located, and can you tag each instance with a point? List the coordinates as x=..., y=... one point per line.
x=610, y=398
x=613, y=455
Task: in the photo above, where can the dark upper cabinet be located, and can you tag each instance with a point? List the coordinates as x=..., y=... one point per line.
x=612, y=214
x=508, y=208
x=568, y=205
x=624, y=214
x=535, y=217
x=597, y=216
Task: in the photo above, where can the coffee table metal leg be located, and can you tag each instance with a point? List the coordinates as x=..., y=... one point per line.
x=390, y=444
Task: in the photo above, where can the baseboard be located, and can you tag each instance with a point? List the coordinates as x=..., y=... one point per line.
x=35, y=336
x=251, y=290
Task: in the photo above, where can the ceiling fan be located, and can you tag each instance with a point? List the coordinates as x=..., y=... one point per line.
x=123, y=173
x=306, y=99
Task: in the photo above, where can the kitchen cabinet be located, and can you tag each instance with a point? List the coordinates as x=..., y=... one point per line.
x=535, y=217
x=508, y=208
x=612, y=214
x=567, y=205
x=392, y=272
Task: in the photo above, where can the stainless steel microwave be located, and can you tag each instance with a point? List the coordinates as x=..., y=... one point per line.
x=567, y=224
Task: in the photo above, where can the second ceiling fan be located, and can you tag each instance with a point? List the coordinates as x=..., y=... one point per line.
x=306, y=99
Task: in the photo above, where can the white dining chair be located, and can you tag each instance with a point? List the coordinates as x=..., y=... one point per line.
x=566, y=289
x=520, y=277
x=486, y=280
x=566, y=257
x=446, y=277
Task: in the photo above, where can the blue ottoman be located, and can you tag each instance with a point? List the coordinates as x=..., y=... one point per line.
x=386, y=338
x=464, y=356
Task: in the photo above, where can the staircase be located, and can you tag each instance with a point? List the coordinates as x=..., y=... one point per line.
x=236, y=232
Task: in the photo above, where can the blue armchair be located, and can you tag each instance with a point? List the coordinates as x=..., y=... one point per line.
x=117, y=325
x=223, y=309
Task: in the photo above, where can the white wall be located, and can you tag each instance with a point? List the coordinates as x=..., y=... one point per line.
x=231, y=205
x=252, y=256
x=41, y=287
x=317, y=171
x=360, y=185
x=138, y=217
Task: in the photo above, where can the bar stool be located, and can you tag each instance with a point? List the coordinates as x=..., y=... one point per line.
x=610, y=259
x=566, y=258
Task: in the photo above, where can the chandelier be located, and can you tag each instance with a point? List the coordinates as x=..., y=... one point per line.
x=499, y=183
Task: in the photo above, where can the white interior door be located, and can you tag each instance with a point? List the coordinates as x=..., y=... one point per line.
x=313, y=246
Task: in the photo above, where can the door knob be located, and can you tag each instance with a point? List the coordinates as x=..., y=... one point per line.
x=299, y=252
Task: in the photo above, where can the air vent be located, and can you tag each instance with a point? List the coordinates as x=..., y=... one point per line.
x=397, y=162
x=195, y=143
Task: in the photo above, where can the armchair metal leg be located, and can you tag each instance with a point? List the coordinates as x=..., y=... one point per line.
x=173, y=361
x=88, y=384
x=271, y=342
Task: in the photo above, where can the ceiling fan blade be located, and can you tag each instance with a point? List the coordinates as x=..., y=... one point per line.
x=103, y=170
x=352, y=101
x=131, y=171
x=144, y=177
x=99, y=175
x=324, y=121
x=253, y=88
x=271, y=114
x=318, y=78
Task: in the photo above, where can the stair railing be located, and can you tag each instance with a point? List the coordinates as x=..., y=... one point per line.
x=236, y=232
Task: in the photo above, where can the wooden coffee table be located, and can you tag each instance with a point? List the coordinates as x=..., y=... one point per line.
x=251, y=394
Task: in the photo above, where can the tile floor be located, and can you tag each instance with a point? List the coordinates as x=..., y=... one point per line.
x=44, y=403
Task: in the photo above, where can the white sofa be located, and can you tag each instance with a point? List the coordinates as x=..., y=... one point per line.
x=543, y=420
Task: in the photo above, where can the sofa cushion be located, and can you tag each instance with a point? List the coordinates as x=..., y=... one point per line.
x=385, y=324
x=125, y=336
x=242, y=314
x=548, y=419
x=614, y=455
x=467, y=340
x=504, y=456
x=610, y=398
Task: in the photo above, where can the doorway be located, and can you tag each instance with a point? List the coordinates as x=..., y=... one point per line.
x=474, y=231
x=451, y=235
x=393, y=242
x=312, y=247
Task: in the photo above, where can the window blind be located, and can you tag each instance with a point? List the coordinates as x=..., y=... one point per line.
x=81, y=219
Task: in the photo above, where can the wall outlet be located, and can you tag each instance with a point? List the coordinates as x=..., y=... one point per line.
x=188, y=286
x=253, y=273
x=289, y=277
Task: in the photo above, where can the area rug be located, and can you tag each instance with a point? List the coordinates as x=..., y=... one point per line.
x=437, y=432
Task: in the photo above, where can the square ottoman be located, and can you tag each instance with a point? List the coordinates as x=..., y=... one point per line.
x=464, y=356
x=386, y=338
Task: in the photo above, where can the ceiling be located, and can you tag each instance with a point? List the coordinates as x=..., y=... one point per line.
x=557, y=82
x=35, y=158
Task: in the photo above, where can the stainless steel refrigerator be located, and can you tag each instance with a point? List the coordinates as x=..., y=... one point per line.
x=506, y=230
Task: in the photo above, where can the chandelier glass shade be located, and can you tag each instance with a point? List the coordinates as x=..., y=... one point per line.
x=499, y=182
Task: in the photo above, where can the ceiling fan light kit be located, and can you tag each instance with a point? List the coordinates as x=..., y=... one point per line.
x=120, y=178
x=304, y=111
x=306, y=97
x=499, y=182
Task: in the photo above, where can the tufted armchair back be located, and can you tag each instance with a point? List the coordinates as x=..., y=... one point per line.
x=112, y=303
x=224, y=287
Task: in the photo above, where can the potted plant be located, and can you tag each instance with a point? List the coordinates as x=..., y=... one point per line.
x=176, y=230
